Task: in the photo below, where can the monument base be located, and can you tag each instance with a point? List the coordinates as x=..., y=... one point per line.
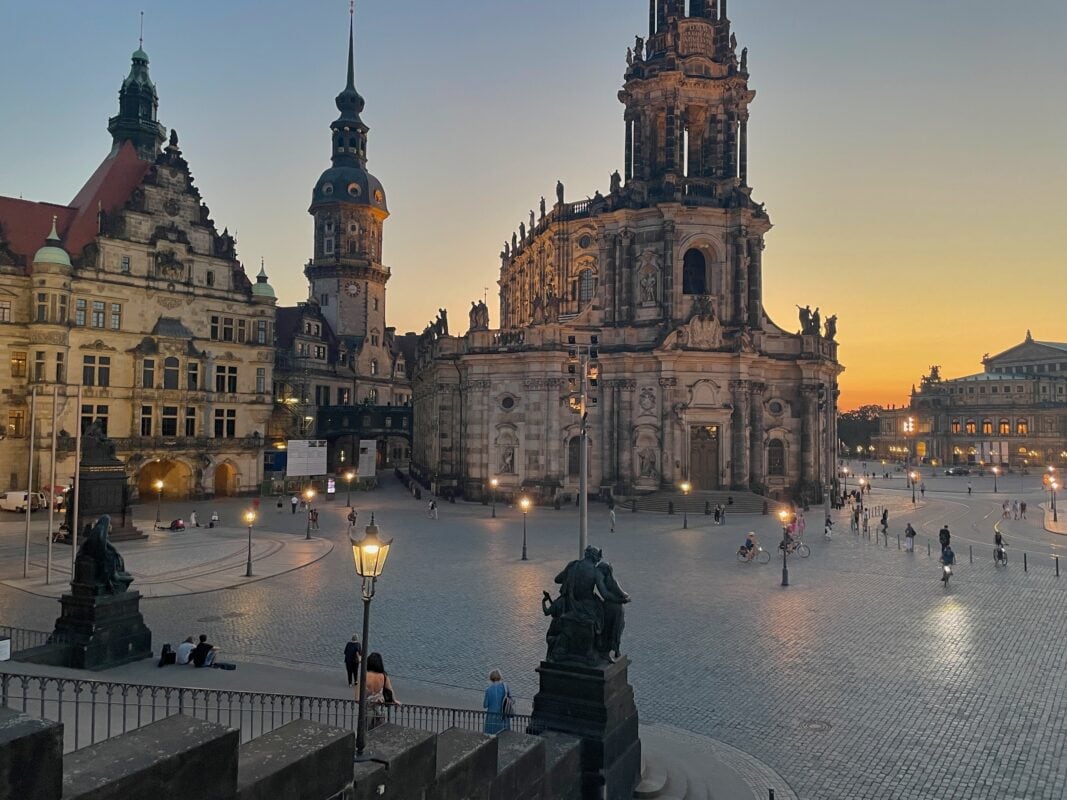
x=127, y=533
x=103, y=630
x=597, y=705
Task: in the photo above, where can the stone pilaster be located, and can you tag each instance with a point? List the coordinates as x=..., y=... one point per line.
x=668, y=272
x=668, y=471
x=757, y=468
x=739, y=435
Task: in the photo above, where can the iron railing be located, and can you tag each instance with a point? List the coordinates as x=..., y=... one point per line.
x=26, y=639
x=92, y=711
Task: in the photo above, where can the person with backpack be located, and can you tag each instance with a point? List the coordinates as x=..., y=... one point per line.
x=498, y=705
x=431, y=512
x=944, y=537
x=353, y=653
x=909, y=539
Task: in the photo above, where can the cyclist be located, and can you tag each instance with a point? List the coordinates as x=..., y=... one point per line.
x=750, y=546
x=999, y=553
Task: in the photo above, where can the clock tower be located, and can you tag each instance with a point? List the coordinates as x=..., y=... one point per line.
x=348, y=205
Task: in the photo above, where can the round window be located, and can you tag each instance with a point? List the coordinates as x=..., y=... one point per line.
x=507, y=403
x=354, y=190
x=327, y=188
x=585, y=241
x=775, y=407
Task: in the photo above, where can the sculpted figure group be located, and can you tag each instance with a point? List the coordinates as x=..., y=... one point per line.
x=587, y=617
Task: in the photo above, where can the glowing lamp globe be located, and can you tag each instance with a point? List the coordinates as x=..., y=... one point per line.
x=369, y=552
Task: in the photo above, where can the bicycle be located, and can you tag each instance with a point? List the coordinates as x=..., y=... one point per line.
x=796, y=547
x=1000, y=556
x=761, y=556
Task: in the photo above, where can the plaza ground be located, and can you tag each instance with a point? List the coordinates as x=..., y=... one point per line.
x=863, y=679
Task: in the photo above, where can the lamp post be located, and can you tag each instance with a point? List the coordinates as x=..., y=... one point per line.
x=159, y=497
x=492, y=494
x=309, y=495
x=1052, y=487
x=369, y=554
x=783, y=515
x=250, y=517
x=685, y=487
x=524, y=504
x=914, y=477
x=996, y=472
x=348, y=479
x=844, y=473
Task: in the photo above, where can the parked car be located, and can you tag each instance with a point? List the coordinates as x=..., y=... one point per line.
x=957, y=471
x=16, y=501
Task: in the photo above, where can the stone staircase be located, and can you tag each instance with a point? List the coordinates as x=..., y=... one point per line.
x=664, y=778
x=697, y=502
x=695, y=768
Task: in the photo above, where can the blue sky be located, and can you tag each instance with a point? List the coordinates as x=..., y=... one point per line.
x=911, y=154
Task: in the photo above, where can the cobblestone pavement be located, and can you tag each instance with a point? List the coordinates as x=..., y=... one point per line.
x=863, y=679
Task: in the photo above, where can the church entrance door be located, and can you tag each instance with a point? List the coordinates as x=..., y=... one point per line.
x=704, y=457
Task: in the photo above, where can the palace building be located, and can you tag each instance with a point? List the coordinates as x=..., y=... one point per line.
x=1012, y=414
x=335, y=350
x=130, y=296
x=659, y=283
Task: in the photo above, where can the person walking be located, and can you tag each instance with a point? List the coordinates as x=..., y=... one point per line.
x=1015, y=509
x=314, y=519
x=885, y=520
x=294, y=501
x=497, y=697
x=909, y=539
x=968, y=488
x=922, y=488
x=353, y=652
x=194, y=520
x=431, y=512
x=611, y=515
x=944, y=537
x=281, y=505
x=379, y=691
x=1022, y=509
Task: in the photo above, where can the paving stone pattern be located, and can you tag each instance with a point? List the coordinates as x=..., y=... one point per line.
x=863, y=679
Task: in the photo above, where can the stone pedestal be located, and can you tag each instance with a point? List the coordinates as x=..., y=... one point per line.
x=595, y=704
x=101, y=630
x=103, y=490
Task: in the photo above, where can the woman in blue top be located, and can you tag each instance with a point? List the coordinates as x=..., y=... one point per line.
x=495, y=692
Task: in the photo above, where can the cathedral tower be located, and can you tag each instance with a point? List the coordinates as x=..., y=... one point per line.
x=348, y=204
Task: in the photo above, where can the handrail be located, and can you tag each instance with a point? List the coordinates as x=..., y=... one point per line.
x=92, y=710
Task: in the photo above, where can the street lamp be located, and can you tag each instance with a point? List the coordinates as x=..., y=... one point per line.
x=348, y=478
x=492, y=494
x=1052, y=487
x=369, y=554
x=250, y=517
x=844, y=473
x=996, y=472
x=685, y=487
x=914, y=477
x=159, y=497
x=783, y=515
x=309, y=495
x=524, y=504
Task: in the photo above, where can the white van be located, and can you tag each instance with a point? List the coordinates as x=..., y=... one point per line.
x=16, y=501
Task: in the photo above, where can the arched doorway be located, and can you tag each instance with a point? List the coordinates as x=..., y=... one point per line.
x=225, y=480
x=694, y=273
x=177, y=480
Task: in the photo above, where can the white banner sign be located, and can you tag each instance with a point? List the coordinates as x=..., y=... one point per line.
x=368, y=458
x=307, y=457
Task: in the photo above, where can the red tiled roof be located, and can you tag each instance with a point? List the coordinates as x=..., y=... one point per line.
x=26, y=223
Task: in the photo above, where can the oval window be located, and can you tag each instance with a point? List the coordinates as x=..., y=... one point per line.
x=354, y=190
x=585, y=241
x=507, y=403
x=327, y=188
x=775, y=407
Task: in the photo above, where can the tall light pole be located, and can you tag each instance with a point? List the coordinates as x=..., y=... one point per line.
x=582, y=365
x=309, y=495
x=524, y=504
x=844, y=473
x=492, y=494
x=685, y=487
x=914, y=477
x=996, y=472
x=783, y=515
x=159, y=497
x=1052, y=487
x=348, y=478
x=369, y=554
x=250, y=518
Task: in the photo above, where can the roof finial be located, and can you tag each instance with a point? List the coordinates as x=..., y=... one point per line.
x=140, y=39
x=54, y=237
x=351, y=44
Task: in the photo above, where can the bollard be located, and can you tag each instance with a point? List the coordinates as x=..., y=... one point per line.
x=1057, y=565
x=670, y=506
x=927, y=547
x=771, y=795
x=898, y=541
x=1025, y=569
x=885, y=536
x=971, y=548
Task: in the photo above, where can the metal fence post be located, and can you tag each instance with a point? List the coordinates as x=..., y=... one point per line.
x=1025, y=568
x=898, y=541
x=970, y=548
x=1057, y=565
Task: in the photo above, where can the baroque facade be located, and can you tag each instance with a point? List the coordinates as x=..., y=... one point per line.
x=663, y=278
x=335, y=350
x=130, y=298
x=1012, y=414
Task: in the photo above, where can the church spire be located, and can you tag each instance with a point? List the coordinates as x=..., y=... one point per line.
x=349, y=132
x=138, y=102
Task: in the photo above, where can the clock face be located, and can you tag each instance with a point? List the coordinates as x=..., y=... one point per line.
x=352, y=289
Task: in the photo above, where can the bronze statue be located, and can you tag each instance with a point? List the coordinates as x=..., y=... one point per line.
x=805, y=319
x=542, y=206
x=108, y=568
x=559, y=192
x=583, y=628
x=831, y=327
x=816, y=322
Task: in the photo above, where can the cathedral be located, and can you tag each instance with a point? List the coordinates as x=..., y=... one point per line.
x=128, y=308
x=640, y=312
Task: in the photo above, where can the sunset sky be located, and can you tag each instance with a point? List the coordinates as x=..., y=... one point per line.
x=912, y=155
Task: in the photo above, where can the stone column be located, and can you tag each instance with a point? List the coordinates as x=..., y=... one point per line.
x=739, y=435
x=755, y=281
x=668, y=470
x=628, y=169
x=668, y=272
x=743, y=168
x=740, y=293
x=553, y=408
x=670, y=144
x=626, y=277
x=625, y=433
x=757, y=468
x=640, y=161
x=809, y=431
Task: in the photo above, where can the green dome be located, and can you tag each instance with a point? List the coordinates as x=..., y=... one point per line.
x=261, y=288
x=52, y=252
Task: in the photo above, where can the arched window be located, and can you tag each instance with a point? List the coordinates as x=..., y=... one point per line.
x=574, y=455
x=374, y=366
x=776, y=457
x=970, y=426
x=955, y=426
x=170, y=373
x=1022, y=427
x=987, y=426
x=1005, y=426
x=585, y=287
x=694, y=273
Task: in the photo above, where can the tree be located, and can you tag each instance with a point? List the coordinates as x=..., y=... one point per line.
x=856, y=428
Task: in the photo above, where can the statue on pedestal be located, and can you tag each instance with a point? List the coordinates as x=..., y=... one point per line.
x=587, y=617
x=99, y=562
